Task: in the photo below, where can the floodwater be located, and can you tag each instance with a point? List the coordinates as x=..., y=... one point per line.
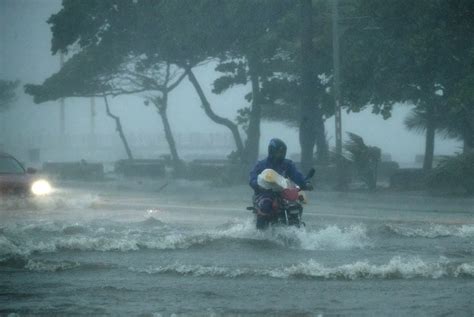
x=189, y=249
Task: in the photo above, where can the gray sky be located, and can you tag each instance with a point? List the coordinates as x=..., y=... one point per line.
x=25, y=55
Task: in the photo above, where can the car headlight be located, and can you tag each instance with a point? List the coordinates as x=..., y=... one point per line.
x=41, y=187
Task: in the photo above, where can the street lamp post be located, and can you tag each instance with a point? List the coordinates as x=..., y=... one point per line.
x=336, y=84
x=92, y=116
x=62, y=127
x=337, y=93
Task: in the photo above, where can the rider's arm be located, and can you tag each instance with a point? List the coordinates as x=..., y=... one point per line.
x=295, y=175
x=254, y=175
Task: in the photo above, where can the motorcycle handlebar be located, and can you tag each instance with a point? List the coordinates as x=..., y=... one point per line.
x=310, y=174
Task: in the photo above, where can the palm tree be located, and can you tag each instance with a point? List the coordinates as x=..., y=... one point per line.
x=7, y=97
x=419, y=120
x=426, y=119
x=365, y=158
x=451, y=123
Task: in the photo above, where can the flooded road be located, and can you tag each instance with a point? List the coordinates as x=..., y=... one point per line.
x=190, y=249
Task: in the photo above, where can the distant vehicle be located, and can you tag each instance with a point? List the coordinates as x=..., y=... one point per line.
x=15, y=180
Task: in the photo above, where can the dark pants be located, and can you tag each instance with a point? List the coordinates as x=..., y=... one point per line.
x=265, y=204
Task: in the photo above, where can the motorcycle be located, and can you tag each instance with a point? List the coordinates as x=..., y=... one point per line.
x=289, y=199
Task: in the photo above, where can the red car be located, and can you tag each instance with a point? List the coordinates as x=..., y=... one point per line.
x=15, y=180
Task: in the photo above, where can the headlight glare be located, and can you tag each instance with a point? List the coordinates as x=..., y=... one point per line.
x=41, y=187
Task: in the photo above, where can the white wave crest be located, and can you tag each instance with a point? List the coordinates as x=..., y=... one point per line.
x=41, y=266
x=334, y=238
x=465, y=269
x=7, y=247
x=434, y=231
x=196, y=270
x=52, y=237
x=118, y=242
x=396, y=268
x=329, y=238
x=466, y=231
x=85, y=243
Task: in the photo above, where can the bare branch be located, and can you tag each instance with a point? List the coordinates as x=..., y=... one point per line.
x=177, y=82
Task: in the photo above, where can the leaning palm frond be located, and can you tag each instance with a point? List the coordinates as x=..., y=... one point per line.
x=416, y=120
x=365, y=158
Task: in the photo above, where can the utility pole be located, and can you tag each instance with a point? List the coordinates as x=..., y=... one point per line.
x=336, y=61
x=62, y=128
x=92, y=116
x=92, y=139
x=341, y=184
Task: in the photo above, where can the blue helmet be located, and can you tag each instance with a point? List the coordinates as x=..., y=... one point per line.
x=276, y=150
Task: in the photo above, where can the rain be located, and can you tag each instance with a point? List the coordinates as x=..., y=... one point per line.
x=236, y=158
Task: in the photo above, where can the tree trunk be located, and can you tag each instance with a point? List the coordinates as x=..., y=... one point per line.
x=322, y=151
x=468, y=135
x=162, y=111
x=118, y=127
x=253, y=134
x=430, y=139
x=307, y=130
x=214, y=117
x=468, y=139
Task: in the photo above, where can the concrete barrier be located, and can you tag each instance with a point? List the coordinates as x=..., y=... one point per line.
x=75, y=170
x=206, y=169
x=408, y=179
x=140, y=168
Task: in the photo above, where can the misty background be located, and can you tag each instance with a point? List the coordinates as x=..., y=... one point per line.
x=25, y=54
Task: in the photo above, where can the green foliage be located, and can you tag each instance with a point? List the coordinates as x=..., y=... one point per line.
x=243, y=118
x=416, y=120
x=419, y=52
x=87, y=73
x=391, y=51
x=7, y=93
x=454, y=173
x=365, y=159
x=283, y=91
x=235, y=74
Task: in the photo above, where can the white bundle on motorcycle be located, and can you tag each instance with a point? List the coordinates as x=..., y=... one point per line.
x=270, y=179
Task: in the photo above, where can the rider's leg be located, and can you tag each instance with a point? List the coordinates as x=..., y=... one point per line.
x=262, y=223
x=264, y=204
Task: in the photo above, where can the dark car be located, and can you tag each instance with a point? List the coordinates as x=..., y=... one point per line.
x=15, y=180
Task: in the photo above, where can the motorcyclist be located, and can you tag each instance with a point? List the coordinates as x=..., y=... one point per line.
x=265, y=200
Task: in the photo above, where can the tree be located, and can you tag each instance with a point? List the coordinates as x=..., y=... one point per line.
x=7, y=93
x=249, y=59
x=420, y=54
x=164, y=87
x=311, y=116
x=290, y=90
x=97, y=72
x=174, y=32
x=186, y=34
x=86, y=74
x=365, y=159
x=118, y=128
x=460, y=118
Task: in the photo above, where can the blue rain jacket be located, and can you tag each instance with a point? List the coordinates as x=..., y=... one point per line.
x=286, y=168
